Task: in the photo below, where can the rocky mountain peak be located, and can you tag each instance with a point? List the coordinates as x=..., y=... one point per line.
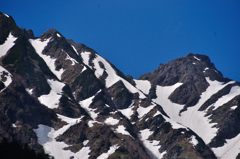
x=6, y=19
x=7, y=25
x=53, y=33
x=199, y=57
x=186, y=69
x=205, y=65
x=192, y=71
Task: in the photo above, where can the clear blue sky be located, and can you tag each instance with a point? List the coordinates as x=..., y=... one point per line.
x=138, y=35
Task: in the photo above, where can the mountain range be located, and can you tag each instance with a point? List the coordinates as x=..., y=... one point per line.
x=61, y=99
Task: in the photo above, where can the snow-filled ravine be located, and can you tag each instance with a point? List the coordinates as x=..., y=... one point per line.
x=47, y=138
x=192, y=117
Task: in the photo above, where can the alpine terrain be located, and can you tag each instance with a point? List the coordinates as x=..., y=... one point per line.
x=61, y=99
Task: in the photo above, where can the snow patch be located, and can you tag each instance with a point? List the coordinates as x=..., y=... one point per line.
x=5, y=77
x=58, y=35
x=205, y=69
x=98, y=70
x=112, y=76
x=163, y=93
x=128, y=112
x=111, y=121
x=85, y=104
x=152, y=146
x=84, y=69
x=83, y=153
x=143, y=111
x=6, y=15
x=156, y=114
x=122, y=130
x=194, y=141
x=47, y=138
x=111, y=150
x=85, y=142
x=235, y=91
x=7, y=45
x=92, y=122
x=86, y=57
x=143, y=85
x=30, y=91
x=51, y=100
x=75, y=49
x=69, y=120
x=196, y=58
x=39, y=46
x=234, y=107
x=229, y=150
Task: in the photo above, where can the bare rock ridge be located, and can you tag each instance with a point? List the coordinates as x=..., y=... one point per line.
x=62, y=99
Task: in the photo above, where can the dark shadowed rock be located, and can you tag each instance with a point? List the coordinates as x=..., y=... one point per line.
x=121, y=96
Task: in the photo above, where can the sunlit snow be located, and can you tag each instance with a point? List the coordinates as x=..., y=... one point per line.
x=111, y=150
x=196, y=58
x=152, y=146
x=111, y=121
x=112, y=76
x=143, y=85
x=52, y=99
x=235, y=91
x=39, y=46
x=229, y=150
x=128, y=112
x=47, y=138
x=86, y=105
x=7, y=45
x=144, y=110
x=192, y=117
x=122, y=130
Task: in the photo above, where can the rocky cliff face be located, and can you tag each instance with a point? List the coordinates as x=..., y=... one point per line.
x=61, y=98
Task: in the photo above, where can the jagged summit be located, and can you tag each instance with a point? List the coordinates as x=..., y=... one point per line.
x=185, y=69
x=51, y=33
x=193, y=71
x=7, y=25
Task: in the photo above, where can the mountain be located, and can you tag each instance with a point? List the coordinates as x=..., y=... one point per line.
x=195, y=94
x=62, y=99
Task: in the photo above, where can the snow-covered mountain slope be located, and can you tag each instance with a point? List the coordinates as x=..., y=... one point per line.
x=62, y=98
x=211, y=111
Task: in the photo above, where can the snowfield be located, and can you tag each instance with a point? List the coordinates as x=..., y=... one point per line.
x=192, y=117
